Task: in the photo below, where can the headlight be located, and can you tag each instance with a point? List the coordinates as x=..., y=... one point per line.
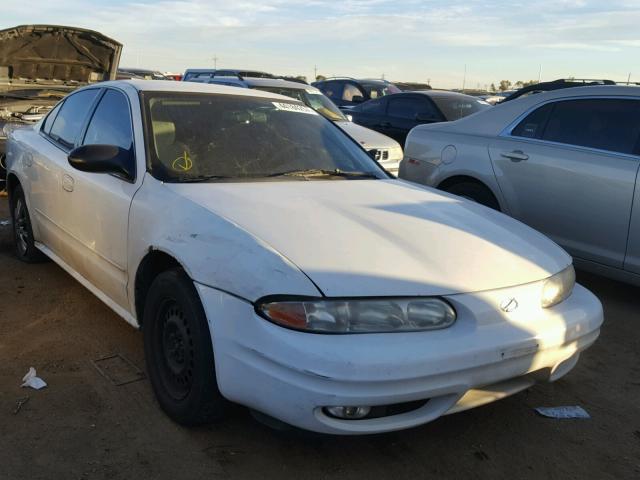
x=558, y=287
x=359, y=315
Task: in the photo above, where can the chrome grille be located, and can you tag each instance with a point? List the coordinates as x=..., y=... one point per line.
x=379, y=154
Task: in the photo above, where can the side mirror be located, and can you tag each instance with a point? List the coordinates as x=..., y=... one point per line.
x=357, y=99
x=104, y=159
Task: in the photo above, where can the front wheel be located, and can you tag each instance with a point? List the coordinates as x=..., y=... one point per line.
x=179, y=352
x=26, y=249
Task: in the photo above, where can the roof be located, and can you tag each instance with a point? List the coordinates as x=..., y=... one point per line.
x=277, y=82
x=493, y=120
x=441, y=93
x=191, y=87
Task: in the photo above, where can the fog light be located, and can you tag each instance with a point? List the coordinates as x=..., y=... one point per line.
x=348, y=413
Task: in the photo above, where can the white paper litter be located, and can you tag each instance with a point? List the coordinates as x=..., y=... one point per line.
x=33, y=381
x=563, y=412
x=4, y=223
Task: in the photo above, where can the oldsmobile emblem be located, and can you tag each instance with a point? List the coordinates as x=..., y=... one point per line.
x=509, y=305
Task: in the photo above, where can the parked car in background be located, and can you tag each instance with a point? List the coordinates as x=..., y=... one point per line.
x=205, y=74
x=383, y=149
x=274, y=264
x=395, y=115
x=40, y=64
x=497, y=97
x=349, y=92
x=564, y=162
x=173, y=76
x=142, y=73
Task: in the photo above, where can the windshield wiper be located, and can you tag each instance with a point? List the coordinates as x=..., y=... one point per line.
x=201, y=178
x=321, y=172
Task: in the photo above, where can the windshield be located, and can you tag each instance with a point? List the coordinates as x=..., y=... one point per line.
x=206, y=137
x=313, y=99
x=376, y=90
x=455, y=107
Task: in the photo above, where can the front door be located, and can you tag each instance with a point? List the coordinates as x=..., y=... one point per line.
x=97, y=205
x=568, y=170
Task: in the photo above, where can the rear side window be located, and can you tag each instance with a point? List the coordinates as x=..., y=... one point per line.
x=73, y=113
x=605, y=124
x=410, y=108
x=533, y=125
x=351, y=91
x=332, y=89
x=111, y=122
x=46, y=128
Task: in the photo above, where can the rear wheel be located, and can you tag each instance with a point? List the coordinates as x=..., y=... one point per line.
x=26, y=249
x=179, y=352
x=475, y=192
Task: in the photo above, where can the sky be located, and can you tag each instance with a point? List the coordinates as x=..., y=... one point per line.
x=404, y=40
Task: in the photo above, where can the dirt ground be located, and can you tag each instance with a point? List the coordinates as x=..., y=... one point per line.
x=83, y=426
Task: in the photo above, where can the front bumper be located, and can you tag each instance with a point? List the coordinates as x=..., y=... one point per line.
x=485, y=356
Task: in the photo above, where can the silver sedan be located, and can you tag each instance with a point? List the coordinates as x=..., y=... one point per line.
x=564, y=162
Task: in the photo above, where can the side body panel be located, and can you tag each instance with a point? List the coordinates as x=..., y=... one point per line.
x=432, y=157
x=579, y=197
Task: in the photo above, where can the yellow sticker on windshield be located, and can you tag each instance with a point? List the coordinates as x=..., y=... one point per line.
x=294, y=107
x=183, y=163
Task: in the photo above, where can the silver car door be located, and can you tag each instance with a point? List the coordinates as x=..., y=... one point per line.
x=568, y=169
x=98, y=204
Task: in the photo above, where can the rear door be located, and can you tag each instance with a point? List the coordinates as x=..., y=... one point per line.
x=569, y=169
x=371, y=114
x=405, y=112
x=97, y=205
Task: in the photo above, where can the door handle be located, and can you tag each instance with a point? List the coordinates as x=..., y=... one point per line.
x=384, y=125
x=516, y=155
x=67, y=183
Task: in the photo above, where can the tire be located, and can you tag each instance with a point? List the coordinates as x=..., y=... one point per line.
x=475, y=192
x=178, y=351
x=24, y=241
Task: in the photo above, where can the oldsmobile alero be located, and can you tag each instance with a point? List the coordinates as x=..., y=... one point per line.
x=271, y=262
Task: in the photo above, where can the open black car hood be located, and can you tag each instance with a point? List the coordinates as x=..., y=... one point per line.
x=55, y=55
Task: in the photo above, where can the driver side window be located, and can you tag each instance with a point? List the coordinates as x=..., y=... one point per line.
x=111, y=122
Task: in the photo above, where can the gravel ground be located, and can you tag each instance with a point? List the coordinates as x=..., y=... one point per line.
x=84, y=426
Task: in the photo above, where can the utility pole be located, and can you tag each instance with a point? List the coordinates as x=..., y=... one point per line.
x=540, y=73
x=464, y=78
x=315, y=72
x=215, y=62
x=629, y=79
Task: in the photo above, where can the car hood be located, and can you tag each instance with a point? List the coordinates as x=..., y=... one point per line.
x=55, y=55
x=383, y=237
x=369, y=139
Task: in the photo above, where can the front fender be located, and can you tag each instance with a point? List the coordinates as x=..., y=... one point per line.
x=213, y=250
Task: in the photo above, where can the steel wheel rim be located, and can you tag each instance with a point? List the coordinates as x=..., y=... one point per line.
x=175, y=344
x=21, y=226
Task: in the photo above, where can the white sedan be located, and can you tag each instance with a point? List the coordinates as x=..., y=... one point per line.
x=269, y=261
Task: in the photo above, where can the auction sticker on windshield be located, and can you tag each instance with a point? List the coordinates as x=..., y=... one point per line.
x=294, y=107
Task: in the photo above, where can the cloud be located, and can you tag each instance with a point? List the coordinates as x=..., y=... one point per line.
x=357, y=37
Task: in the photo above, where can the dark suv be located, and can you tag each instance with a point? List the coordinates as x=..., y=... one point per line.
x=348, y=92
